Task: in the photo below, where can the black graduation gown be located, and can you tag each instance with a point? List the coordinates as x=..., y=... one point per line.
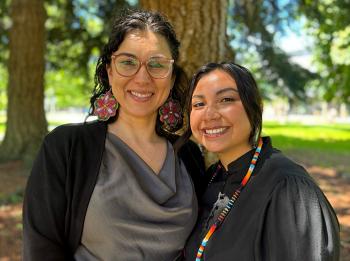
x=281, y=214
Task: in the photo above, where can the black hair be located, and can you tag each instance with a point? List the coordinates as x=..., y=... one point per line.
x=129, y=21
x=248, y=93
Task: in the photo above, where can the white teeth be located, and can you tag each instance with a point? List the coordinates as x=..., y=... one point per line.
x=141, y=95
x=214, y=131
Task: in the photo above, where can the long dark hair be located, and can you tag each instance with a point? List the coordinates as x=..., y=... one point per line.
x=131, y=20
x=248, y=93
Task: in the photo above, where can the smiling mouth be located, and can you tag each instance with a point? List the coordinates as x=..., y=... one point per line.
x=141, y=95
x=214, y=132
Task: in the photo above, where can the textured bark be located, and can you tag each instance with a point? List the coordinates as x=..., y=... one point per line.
x=26, y=123
x=200, y=26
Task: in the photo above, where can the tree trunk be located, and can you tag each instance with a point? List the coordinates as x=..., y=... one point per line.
x=201, y=28
x=26, y=124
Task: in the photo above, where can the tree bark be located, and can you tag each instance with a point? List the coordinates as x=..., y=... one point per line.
x=26, y=123
x=201, y=28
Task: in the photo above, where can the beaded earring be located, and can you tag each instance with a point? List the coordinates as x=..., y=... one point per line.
x=170, y=114
x=105, y=106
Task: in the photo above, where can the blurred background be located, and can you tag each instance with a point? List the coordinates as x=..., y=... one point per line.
x=299, y=52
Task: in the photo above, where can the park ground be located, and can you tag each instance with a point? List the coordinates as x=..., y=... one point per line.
x=335, y=186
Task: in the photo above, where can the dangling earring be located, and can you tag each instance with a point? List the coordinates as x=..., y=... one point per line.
x=105, y=106
x=170, y=114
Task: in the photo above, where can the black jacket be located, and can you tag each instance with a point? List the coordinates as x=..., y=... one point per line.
x=61, y=183
x=281, y=214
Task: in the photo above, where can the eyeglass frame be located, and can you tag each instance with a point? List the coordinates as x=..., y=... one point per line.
x=113, y=56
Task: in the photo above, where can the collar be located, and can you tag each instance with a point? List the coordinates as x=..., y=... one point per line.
x=238, y=168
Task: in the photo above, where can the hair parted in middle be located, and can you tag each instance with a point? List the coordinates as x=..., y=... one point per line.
x=142, y=20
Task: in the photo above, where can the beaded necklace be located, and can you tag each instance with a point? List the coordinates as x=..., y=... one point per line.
x=232, y=200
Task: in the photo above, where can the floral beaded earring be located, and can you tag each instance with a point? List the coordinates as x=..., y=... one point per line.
x=105, y=106
x=170, y=114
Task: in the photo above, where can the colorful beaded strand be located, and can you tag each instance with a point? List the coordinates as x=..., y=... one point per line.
x=232, y=200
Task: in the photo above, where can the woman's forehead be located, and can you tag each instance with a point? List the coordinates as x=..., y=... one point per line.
x=144, y=41
x=215, y=82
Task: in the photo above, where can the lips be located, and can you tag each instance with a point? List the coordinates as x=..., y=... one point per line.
x=140, y=96
x=214, y=132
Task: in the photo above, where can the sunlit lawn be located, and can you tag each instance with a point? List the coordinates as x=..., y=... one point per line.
x=323, y=145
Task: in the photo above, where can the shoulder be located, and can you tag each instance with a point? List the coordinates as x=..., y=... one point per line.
x=71, y=138
x=295, y=190
x=74, y=129
x=68, y=132
x=281, y=167
x=299, y=218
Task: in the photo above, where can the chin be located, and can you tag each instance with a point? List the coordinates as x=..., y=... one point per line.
x=213, y=149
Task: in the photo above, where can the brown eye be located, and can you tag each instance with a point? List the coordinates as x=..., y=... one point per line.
x=197, y=104
x=228, y=99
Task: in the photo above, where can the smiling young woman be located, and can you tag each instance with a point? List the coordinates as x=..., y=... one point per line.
x=258, y=205
x=218, y=119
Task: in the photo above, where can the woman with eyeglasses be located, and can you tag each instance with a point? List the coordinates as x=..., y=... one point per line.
x=116, y=188
x=259, y=205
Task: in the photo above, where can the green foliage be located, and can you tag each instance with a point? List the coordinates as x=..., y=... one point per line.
x=3, y=87
x=64, y=89
x=329, y=23
x=4, y=26
x=4, y=29
x=254, y=27
x=76, y=30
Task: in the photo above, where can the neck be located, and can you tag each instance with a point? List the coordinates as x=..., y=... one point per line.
x=135, y=129
x=229, y=156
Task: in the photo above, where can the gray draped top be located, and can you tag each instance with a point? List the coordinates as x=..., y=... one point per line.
x=134, y=213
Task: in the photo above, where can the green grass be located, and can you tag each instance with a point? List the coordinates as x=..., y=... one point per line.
x=322, y=145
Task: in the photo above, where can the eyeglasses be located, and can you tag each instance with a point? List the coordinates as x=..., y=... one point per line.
x=128, y=65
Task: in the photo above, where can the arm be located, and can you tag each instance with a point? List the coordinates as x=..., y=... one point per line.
x=300, y=224
x=44, y=206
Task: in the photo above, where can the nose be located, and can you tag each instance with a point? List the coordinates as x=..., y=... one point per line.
x=211, y=113
x=142, y=76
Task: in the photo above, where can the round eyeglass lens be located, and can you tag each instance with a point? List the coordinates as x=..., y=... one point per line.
x=159, y=67
x=126, y=65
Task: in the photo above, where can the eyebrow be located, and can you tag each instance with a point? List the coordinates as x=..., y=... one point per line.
x=227, y=90
x=134, y=56
x=127, y=54
x=200, y=96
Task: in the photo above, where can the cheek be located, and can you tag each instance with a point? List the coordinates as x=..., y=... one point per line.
x=194, y=123
x=245, y=123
